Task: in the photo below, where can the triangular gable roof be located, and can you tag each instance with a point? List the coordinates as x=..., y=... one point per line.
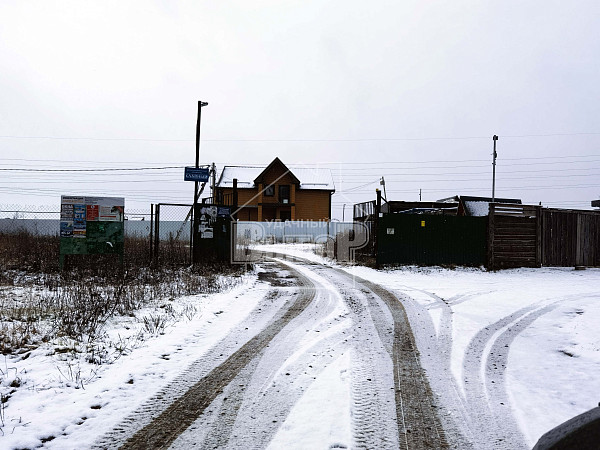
x=316, y=178
x=274, y=163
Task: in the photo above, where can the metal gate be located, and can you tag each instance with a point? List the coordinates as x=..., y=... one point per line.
x=431, y=239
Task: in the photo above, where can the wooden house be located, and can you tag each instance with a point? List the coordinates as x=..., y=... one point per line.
x=276, y=192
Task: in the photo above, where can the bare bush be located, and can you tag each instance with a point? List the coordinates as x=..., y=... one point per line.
x=38, y=302
x=155, y=323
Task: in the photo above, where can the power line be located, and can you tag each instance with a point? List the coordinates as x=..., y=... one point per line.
x=91, y=170
x=42, y=181
x=480, y=179
x=132, y=169
x=358, y=187
x=431, y=138
x=331, y=163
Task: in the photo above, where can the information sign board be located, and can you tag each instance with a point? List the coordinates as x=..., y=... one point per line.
x=91, y=225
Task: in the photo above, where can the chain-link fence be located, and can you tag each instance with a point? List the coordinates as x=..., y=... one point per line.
x=171, y=234
x=30, y=236
x=45, y=221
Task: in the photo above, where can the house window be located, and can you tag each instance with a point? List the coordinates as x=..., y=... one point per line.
x=269, y=191
x=284, y=193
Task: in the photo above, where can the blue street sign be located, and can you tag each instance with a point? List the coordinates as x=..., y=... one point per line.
x=196, y=174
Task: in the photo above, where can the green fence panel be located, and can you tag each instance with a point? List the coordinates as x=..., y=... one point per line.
x=431, y=239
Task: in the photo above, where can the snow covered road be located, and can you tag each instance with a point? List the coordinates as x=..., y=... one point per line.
x=330, y=322
x=312, y=355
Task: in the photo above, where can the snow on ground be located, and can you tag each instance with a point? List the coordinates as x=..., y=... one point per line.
x=553, y=363
x=551, y=376
x=314, y=421
x=51, y=405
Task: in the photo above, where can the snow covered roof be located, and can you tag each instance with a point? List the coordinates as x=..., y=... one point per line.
x=244, y=174
x=477, y=208
x=319, y=178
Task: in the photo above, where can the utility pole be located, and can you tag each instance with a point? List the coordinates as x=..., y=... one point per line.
x=495, y=138
x=343, y=213
x=214, y=183
x=200, y=105
x=195, y=204
x=420, y=194
x=382, y=183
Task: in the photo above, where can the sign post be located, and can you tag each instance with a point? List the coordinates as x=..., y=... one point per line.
x=200, y=174
x=201, y=104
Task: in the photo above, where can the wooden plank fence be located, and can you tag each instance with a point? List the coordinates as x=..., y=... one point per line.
x=513, y=236
x=532, y=236
x=571, y=238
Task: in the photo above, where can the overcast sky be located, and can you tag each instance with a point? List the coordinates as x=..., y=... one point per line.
x=409, y=90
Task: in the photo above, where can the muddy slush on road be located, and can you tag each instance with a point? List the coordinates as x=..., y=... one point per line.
x=240, y=394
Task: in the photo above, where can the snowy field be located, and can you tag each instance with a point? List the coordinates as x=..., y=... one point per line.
x=548, y=319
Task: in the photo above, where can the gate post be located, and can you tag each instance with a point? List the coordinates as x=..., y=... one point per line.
x=151, y=232
x=235, y=199
x=376, y=227
x=491, y=232
x=196, y=241
x=538, y=243
x=156, y=232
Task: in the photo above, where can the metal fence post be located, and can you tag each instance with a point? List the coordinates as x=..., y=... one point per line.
x=156, y=232
x=151, y=232
x=192, y=234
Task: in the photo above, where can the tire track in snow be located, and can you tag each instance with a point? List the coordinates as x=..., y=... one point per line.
x=486, y=359
x=162, y=419
x=288, y=366
x=484, y=411
x=493, y=432
x=414, y=399
x=373, y=406
x=417, y=422
x=497, y=361
x=435, y=345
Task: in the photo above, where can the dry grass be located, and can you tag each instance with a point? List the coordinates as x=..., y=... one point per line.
x=39, y=303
